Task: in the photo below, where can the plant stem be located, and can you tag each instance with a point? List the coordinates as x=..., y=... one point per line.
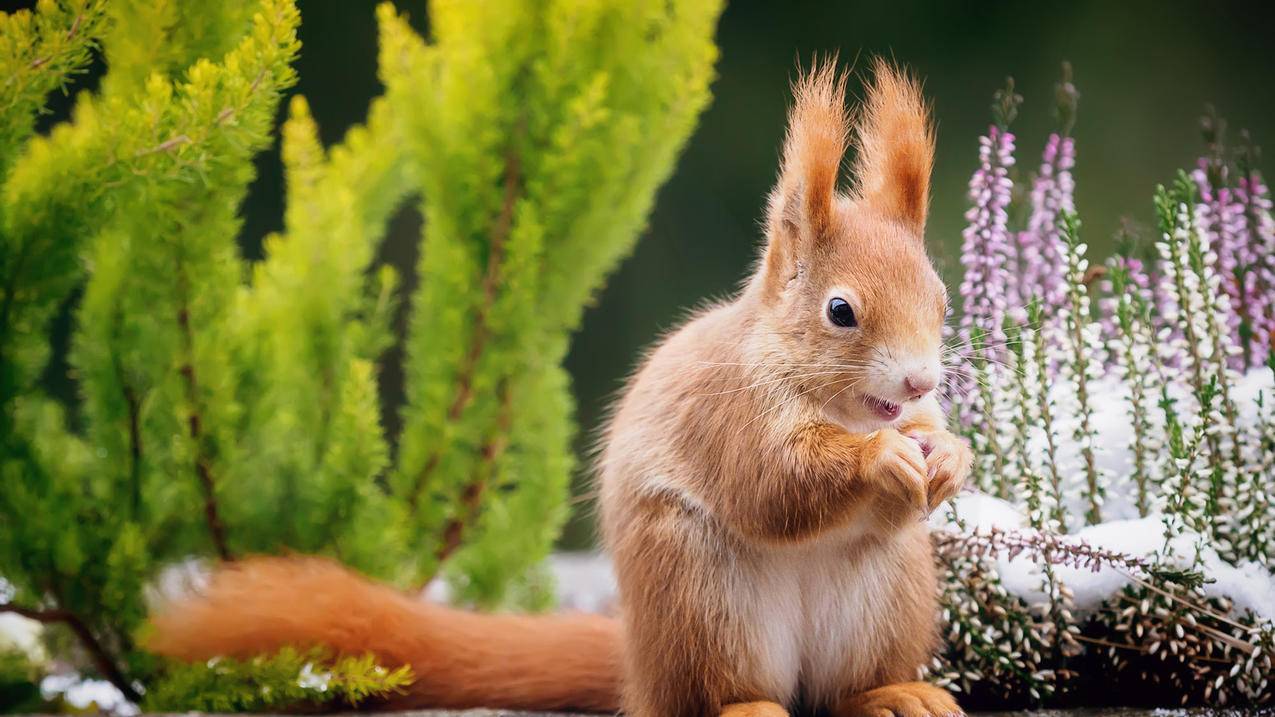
x=481, y=334
x=194, y=421
x=492, y=449
x=101, y=658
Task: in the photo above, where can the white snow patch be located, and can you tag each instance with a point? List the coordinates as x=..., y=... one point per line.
x=22, y=635
x=311, y=679
x=85, y=695
x=1114, y=432
x=1248, y=585
x=583, y=582
x=18, y=633
x=979, y=511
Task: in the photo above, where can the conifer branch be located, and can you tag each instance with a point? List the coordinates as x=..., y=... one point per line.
x=482, y=332
x=66, y=55
x=39, y=62
x=111, y=166
x=194, y=421
x=134, y=444
x=472, y=495
x=164, y=146
x=75, y=26
x=133, y=404
x=6, y=306
x=101, y=658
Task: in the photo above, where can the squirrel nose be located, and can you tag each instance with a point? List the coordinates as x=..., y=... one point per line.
x=919, y=384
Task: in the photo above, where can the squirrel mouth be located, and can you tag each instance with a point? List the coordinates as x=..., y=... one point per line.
x=885, y=410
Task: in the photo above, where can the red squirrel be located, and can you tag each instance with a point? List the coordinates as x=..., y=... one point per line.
x=764, y=482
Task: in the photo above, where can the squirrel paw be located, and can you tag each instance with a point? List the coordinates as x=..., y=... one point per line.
x=948, y=459
x=754, y=709
x=895, y=463
x=906, y=699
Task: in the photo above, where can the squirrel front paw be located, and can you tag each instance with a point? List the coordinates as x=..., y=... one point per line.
x=948, y=459
x=896, y=464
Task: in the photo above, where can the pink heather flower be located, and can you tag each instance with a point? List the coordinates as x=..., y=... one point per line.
x=1225, y=219
x=1259, y=286
x=986, y=250
x=1041, y=246
x=1139, y=282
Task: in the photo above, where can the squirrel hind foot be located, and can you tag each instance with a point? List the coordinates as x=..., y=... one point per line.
x=905, y=699
x=754, y=709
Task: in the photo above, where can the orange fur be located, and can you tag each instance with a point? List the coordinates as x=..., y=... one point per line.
x=895, y=141
x=908, y=699
x=763, y=516
x=461, y=659
x=761, y=506
x=817, y=130
x=754, y=709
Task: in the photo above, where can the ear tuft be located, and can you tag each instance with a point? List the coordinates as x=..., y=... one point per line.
x=895, y=148
x=818, y=132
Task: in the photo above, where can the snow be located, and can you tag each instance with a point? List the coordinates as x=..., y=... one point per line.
x=583, y=582
x=311, y=679
x=1248, y=585
x=979, y=512
x=87, y=695
x=23, y=635
x=1114, y=432
x=18, y=633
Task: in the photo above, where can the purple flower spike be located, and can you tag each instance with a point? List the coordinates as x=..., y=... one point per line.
x=986, y=250
x=1258, y=289
x=1224, y=217
x=1041, y=245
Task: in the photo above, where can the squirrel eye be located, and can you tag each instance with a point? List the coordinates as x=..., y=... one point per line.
x=840, y=313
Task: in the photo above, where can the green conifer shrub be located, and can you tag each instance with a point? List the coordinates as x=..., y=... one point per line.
x=228, y=407
x=527, y=206
x=272, y=682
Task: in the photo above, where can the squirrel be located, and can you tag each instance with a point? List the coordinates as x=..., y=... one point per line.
x=764, y=483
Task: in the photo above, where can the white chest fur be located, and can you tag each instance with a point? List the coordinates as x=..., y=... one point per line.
x=816, y=616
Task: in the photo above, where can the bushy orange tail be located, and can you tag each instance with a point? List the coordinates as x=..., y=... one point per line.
x=460, y=659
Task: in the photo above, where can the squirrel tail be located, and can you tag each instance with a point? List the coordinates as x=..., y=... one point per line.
x=460, y=659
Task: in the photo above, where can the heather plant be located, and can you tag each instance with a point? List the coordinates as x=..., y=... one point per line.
x=1132, y=344
x=1128, y=405
x=226, y=407
x=985, y=257
x=987, y=632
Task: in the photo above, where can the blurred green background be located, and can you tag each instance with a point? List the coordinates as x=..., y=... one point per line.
x=1144, y=70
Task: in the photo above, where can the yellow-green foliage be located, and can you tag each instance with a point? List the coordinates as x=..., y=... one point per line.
x=266, y=683
x=537, y=172
x=311, y=324
x=38, y=54
x=227, y=408
x=138, y=194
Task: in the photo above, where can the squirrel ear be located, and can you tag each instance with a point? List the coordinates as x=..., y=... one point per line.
x=800, y=207
x=895, y=148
